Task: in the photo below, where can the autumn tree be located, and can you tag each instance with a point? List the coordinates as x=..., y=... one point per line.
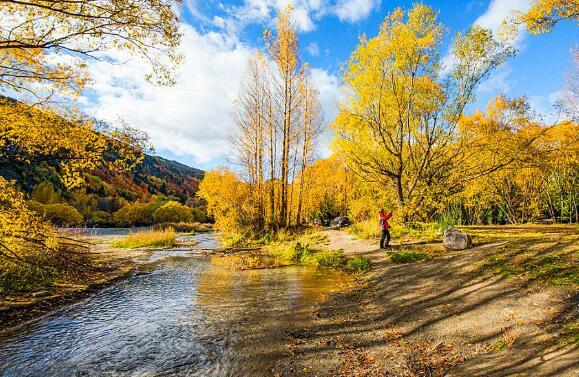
x=399, y=125
x=543, y=15
x=252, y=121
x=47, y=42
x=284, y=51
x=277, y=119
x=311, y=129
x=44, y=46
x=538, y=179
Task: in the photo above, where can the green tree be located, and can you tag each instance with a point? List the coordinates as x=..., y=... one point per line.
x=173, y=212
x=45, y=193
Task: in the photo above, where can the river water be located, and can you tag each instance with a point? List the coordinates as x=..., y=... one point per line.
x=182, y=315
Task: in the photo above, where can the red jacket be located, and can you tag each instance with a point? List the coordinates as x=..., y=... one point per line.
x=384, y=220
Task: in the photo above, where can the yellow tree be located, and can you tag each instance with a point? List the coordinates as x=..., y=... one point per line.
x=251, y=122
x=310, y=131
x=543, y=15
x=539, y=164
x=44, y=42
x=228, y=201
x=284, y=50
x=32, y=135
x=398, y=126
x=277, y=120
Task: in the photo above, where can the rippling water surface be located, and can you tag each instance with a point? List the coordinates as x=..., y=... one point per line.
x=182, y=316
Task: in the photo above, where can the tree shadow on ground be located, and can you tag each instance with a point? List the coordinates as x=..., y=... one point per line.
x=498, y=326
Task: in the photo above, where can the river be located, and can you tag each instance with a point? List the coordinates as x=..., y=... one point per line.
x=182, y=315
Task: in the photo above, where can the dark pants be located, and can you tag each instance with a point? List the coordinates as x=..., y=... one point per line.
x=384, y=237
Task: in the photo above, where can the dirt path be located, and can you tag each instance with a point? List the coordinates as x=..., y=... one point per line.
x=435, y=318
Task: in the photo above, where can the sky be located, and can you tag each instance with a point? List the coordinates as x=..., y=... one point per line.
x=189, y=122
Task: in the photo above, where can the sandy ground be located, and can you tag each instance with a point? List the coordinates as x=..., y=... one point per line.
x=441, y=317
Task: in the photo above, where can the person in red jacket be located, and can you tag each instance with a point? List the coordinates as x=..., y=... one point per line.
x=385, y=228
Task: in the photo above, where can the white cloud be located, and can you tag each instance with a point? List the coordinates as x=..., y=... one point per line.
x=497, y=83
x=192, y=118
x=354, y=10
x=313, y=49
x=544, y=106
x=330, y=94
x=498, y=11
x=306, y=12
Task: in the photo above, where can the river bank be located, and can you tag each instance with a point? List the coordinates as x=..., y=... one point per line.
x=487, y=311
x=181, y=315
x=108, y=266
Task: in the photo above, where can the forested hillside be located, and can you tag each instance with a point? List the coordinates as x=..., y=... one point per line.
x=95, y=195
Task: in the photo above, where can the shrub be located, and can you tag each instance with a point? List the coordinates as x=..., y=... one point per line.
x=173, y=212
x=58, y=214
x=359, y=264
x=324, y=258
x=45, y=193
x=200, y=214
x=100, y=218
x=409, y=257
x=303, y=254
x=136, y=214
x=151, y=238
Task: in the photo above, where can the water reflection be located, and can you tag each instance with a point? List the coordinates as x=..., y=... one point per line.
x=183, y=317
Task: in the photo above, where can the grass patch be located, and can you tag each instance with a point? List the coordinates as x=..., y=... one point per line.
x=304, y=254
x=570, y=333
x=304, y=235
x=409, y=256
x=18, y=277
x=552, y=259
x=359, y=264
x=147, y=239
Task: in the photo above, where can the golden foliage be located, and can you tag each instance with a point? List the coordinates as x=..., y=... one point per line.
x=545, y=14
x=399, y=124
x=21, y=230
x=33, y=31
x=30, y=135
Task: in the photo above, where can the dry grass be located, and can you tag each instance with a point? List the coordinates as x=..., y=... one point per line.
x=147, y=239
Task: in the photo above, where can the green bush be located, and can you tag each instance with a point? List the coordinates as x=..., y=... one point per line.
x=136, y=214
x=334, y=258
x=359, y=264
x=45, y=193
x=303, y=254
x=59, y=214
x=409, y=257
x=100, y=218
x=22, y=277
x=173, y=212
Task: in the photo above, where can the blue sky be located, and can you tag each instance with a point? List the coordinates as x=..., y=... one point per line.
x=189, y=122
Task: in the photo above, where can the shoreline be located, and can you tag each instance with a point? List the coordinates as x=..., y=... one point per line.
x=17, y=314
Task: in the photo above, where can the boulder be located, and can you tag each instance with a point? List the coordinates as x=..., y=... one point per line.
x=340, y=222
x=454, y=239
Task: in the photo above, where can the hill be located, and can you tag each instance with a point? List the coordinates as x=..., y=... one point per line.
x=154, y=176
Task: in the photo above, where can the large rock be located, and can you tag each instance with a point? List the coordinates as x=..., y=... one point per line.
x=454, y=239
x=340, y=222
